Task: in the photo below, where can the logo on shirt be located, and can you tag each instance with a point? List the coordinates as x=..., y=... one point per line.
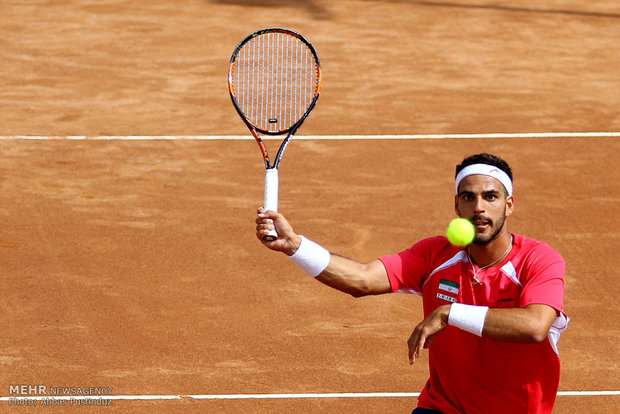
x=449, y=286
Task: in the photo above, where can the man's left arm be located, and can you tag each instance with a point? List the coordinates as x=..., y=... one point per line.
x=526, y=325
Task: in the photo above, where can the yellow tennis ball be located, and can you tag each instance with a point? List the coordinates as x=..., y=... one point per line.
x=460, y=232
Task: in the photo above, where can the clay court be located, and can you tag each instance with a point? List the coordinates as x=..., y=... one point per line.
x=127, y=252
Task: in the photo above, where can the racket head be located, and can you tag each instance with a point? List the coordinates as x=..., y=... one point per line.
x=274, y=80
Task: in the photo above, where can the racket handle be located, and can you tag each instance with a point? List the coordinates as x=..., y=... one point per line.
x=271, y=197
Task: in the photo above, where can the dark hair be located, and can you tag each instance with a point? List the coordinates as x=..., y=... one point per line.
x=485, y=158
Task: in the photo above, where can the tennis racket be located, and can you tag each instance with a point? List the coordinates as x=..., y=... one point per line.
x=274, y=82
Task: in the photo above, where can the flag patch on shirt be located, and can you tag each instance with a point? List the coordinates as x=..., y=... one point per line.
x=449, y=286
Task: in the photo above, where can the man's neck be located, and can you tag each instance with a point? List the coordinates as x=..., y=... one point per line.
x=494, y=251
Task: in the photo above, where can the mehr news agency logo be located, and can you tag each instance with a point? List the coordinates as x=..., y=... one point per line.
x=42, y=395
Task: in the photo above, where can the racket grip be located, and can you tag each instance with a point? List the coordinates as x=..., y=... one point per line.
x=271, y=197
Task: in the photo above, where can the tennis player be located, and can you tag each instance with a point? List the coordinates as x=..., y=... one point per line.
x=493, y=311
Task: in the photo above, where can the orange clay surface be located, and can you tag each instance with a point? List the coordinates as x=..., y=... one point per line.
x=134, y=265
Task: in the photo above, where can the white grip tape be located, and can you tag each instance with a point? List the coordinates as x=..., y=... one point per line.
x=469, y=318
x=271, y=197
x=271, y=189
x=311, y=257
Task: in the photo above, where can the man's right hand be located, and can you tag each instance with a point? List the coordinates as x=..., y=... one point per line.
x=287, y=242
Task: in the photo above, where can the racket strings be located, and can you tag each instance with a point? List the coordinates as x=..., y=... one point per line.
x=276, y=79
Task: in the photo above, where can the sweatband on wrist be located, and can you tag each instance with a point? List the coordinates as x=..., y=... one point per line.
x=469, y=318
x=311, y=257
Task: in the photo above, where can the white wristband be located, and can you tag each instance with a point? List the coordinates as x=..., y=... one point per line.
x=311, y=257
x=469, y=318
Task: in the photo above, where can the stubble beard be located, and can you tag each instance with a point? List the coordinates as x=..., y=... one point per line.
x=482, y=240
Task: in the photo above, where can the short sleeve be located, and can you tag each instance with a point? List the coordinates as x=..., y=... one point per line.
x=407, y=269
x=544, y=278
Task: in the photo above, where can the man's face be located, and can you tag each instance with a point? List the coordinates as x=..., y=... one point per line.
x=482, y=200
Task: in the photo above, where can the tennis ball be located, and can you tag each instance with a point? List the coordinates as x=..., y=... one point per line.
x=460, y=232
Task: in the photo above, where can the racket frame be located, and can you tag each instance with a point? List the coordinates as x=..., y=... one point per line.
x=254, y=129
x=271, y=170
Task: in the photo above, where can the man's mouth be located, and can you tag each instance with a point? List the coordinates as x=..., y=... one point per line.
x=480, y=223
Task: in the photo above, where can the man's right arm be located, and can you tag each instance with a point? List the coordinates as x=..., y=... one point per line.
x=356, y=279
x=346, y=275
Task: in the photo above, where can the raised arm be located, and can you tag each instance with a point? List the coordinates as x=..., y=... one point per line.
x=341, y=273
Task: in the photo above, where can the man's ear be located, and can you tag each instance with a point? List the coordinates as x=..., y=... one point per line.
x=510, y=205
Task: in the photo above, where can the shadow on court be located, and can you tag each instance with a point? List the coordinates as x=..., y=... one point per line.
x=584, y=13
x=314, y=8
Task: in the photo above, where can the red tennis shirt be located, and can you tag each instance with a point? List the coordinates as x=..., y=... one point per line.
x=471, y=374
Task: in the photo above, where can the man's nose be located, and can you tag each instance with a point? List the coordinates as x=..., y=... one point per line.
x=479, y=205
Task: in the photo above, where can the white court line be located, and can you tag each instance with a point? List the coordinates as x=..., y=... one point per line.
x=318, y=137
x=278, y=396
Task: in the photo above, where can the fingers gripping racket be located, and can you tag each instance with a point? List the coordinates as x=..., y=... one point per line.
x=274, y=82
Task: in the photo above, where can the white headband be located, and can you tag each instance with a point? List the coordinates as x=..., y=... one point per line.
x=485, y=169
